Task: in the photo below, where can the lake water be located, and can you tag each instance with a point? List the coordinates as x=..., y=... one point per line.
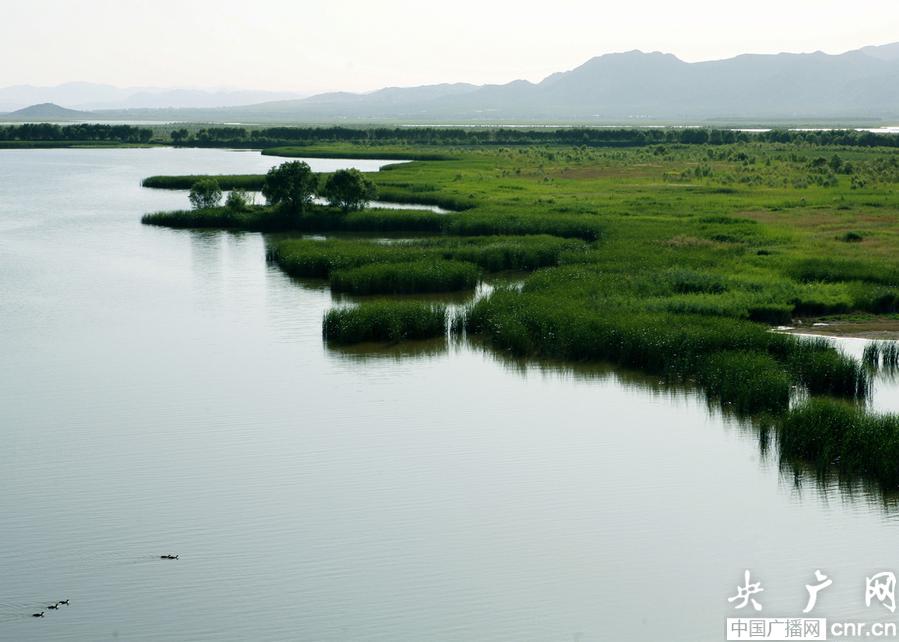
x=168, y=392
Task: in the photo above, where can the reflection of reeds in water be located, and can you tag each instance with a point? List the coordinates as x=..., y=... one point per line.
x=882, y=354
x=799, y=473
x=396, y=352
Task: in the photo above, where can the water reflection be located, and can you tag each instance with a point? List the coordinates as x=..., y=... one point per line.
x=368, y=352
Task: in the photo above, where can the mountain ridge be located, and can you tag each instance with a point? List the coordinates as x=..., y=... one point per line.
x=624, y=88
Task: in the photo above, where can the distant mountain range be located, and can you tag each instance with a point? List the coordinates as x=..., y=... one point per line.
x=622, y=88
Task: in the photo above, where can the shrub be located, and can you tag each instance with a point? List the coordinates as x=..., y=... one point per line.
x=205, y=194
x=238, y=201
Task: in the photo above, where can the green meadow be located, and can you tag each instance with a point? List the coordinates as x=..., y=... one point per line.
x=675, y=260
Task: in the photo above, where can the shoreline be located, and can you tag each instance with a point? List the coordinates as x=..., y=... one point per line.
x=873, y=329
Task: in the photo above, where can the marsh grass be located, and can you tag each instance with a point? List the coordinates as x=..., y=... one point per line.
x=384, y=321
x=307, y=258
x=750, y=382
x=675, y=345
x=423, y=276
x=250, y=182
x=838, y=270
x=836, y=434
x=255, y=219
x=823, y=370
x=326, y=219
x=315, y=219
x=477, y=223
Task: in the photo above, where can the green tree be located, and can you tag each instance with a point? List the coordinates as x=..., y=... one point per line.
x=179, y=136
x=349, y=189
x=205, y=193
x=238, y=200
x=291, y=185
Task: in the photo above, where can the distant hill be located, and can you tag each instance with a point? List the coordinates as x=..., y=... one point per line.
x=47, y=112
x=89, y=96
x=622, y=88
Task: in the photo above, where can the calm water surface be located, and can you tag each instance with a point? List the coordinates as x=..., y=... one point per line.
x=167, y=391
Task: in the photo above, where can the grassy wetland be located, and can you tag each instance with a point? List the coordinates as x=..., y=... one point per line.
x=676, y=260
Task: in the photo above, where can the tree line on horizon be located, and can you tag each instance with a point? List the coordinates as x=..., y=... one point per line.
x=76, y=132
x=424, y=136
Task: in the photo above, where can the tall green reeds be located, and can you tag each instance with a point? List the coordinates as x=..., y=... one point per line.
x=385, y=321
x=423, y=276
x=251, y=182
x=836, y=434
x=748, y=381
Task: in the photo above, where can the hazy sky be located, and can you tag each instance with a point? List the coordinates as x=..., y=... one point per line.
x=366, y=44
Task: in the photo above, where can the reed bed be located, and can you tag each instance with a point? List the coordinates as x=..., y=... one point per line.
x=835, y=434
x=250, y=182
x=307, y=258
x=415, y=277
x=384, y=321
x=835, y=270
x=327, y=219
x=476, y=223
x=255, y=219
x=675, y=345
x=824, y=370
x=750, y=382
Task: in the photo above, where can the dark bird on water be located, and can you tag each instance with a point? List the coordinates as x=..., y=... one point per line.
x=41, y=614
x=169, y=557
x=54, y=606
x=66, y=602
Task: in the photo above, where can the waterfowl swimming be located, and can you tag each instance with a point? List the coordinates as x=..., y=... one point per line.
x=41, y=614
x=169, y=557
x=53, y=606
x=66, y=602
